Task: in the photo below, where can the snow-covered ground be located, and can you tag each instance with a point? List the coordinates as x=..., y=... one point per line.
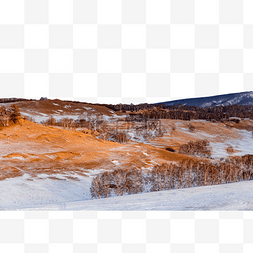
x=43, y=117
x=116, y=162
x=22, y=192
x=234, y=196
x=38, y=118
x=58, y=192
x=61, y=193
x=242, y=145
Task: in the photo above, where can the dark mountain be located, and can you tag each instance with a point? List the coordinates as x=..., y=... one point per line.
x=242, y=98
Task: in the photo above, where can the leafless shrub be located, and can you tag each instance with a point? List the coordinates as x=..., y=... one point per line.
x=230, y=150
x=96, y=185
x=10, y=115
x=191, y=127
x=120, y=136
x=147, y=135
x=198, y=148
x=104, y=131
x=113, y=133
x=117, y=182
x=100, y=186
x=49, y=122
x=161, y=131
x=135, y=182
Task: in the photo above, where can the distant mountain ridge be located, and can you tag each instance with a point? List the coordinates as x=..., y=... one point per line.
x=241, y=98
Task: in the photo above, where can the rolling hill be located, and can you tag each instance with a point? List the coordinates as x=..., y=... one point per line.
x=51, y=167
x=242, y=98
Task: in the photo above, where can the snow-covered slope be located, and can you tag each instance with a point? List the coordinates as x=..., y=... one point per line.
x=242, y=98
x=51, y=168
x=41, y=110
x=234, y=196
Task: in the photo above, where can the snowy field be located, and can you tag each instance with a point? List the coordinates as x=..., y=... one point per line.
x=50, y=195
x=234, y=196
x=22, y=192
x=242, y=145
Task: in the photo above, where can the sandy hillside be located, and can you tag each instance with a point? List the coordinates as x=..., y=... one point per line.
x=219, y=134
x=35, y=149
x=41, y=165
x=213, y=132
x=41, y=110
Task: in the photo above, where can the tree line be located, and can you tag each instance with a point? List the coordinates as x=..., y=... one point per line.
x=180, y=112
x=92, y=124
x=11, y=100
x=185, y=174
x=184, y=112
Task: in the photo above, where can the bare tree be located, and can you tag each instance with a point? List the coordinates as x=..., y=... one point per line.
x=4, y=116
x=96, y=186
x=197, y=148
x=104, y=131
x=15, y=115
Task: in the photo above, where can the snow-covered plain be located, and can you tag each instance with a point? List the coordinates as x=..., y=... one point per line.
x=234, y=196
x=23, y=192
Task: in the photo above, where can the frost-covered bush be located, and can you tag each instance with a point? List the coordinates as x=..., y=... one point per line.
x=172, y=176
x=198, y=148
